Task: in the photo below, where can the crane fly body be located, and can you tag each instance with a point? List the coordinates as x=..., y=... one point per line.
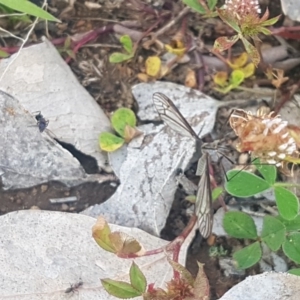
x=175, y=120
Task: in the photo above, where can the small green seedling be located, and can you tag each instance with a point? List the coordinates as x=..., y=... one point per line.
x=125, y=290
x=246, y=22
x=4, y=54
x=203, y=8
x=67, y=49
x=118, y=57
x=183, y=287
x=241, y=70
x=123, y=121
x=215, y=194
x=280, y=231
x=217, y=251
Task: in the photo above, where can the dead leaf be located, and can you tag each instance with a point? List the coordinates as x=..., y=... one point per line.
x=220, y=78
x=190, y=79
x=125, y=245
x=279, y=78
x=131, y=133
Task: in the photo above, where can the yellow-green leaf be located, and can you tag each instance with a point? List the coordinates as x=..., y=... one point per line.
x=118, y=57
x=252, y=51
x=236, y=78
x=220, y=78
x=110, y=142
x=126, y=41
x=101, y=232
x=4, y=54
x=153, y=65
x=122, y=118
x=248, y=70
x=239, y=61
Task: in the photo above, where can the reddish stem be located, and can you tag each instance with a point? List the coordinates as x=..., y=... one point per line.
x=287, y=32
x=89, y=37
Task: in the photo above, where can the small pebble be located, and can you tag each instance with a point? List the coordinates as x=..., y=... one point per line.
x=44, y=188
x=34, y=207
x=64, y=207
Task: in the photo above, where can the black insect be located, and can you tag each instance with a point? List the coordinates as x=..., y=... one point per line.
x=41, y=122
x=74, y=287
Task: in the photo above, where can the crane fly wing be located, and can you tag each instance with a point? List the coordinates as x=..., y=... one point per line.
x=202, y=165
x=203, y=205
x=172, y=116
x=174, y=119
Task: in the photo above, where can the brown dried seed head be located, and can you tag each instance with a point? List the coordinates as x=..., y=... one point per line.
x=266, y=136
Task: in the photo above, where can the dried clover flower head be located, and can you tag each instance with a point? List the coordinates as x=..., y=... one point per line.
x=266, y=136
x=243, y=11
x=242, y=7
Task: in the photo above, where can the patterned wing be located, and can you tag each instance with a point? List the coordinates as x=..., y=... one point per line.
x=172, y=116
x=203, y=205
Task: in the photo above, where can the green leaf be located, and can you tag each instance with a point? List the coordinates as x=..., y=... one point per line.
x=273, y=232
x=14, y=18
x=236, y=78
x=291, y=247
x=248, y=256
x=290, y=225
x=227, y=18
x=244, y=184
x=28, y=8
x=287, y=203
x=224, y=90
x=212, y=4
x=251, y=50
x=294, y=272
x=67, y=43
x=122, y=117
x=269, y=172
x=101, y=236
x=271, y=21
x=118, y=57
x=191, y=198
x=4, y=54
x=126, y=42
x=264, y=31
x=137, y=278
x=195, y=5
x=120, y=289
x=71, y=53
x=239, y=225
x=110, y=142
x=217, y=192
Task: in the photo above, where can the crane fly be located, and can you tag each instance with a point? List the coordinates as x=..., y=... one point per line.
x=175, y=120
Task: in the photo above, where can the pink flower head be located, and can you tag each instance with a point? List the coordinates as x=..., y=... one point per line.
x=243, y=8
